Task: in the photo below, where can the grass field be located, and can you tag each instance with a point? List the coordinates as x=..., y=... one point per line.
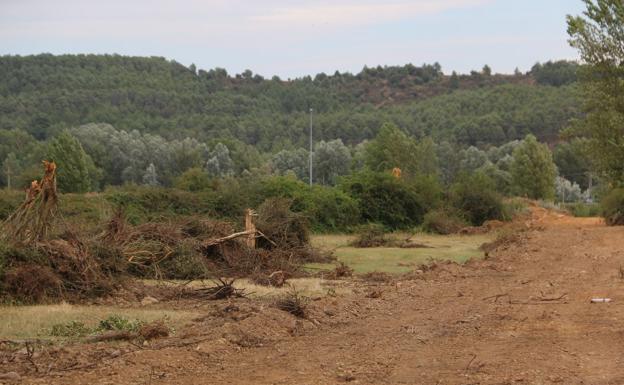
x=18, y=322
x=459, y=248
x=24, y=322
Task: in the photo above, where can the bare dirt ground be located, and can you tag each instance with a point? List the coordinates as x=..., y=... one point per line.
x=522, y=316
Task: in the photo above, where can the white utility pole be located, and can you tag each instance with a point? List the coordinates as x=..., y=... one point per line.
x=311, y=110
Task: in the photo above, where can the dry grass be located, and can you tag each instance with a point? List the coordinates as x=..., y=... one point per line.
x=459, y=248
x=18, y=322
x=310, y=287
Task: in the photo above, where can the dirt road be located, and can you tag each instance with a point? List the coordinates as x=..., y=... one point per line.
x=522, y=316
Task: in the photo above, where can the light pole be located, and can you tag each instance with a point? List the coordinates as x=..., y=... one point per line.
x=311, y=110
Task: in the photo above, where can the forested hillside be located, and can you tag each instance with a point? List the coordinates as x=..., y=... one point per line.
x=44, y=94
x=119, y=120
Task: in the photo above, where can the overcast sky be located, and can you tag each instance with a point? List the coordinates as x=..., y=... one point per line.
x=291, y=38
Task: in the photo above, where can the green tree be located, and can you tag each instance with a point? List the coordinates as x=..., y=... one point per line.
x=572, y=161
x=193, y=179
x=392, y=148
x=219, y=163
x=331, y=159
x=150, y=177
x=454, y=81
x=73, y=164
x=599, y=38
x=533, y=170
x=10, y=168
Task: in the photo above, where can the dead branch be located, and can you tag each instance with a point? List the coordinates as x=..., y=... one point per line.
x=223, y=289
x=217, y=241
x=116, y=335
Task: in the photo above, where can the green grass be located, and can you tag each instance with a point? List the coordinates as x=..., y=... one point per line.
x=18, y=322
x=458, y=248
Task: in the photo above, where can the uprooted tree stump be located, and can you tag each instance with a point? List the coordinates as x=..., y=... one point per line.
x=32, y=220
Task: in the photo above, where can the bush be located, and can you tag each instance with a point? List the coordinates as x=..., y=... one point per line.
x=475, y=196
x=444, y=221
x=72, y=329
x=584, y=210
x=513, y=207
x=143, y=204
x=9, y=201
x=370, y=235
x=613, y=207
x=327, y=209
x=193, y=179
x=119, y=323
x=385, y=199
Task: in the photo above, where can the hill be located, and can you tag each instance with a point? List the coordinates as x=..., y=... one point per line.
x=43, y=94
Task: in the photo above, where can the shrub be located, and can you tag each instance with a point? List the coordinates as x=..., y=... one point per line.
x=119, y=323
x=72, y=329
x=613, y=207
x=584, y=210
x=385, y=199
x=513, y=207
x=370, y=235
x=327, y=209
x=444, y=221
x=475, y=195
x=142, y=204
x=193, y=179
x=9, y=201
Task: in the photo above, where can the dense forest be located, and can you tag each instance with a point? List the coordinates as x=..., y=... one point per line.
x=116, y=120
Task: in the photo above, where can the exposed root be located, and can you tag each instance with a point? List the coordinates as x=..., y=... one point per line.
x=222, y=290
x=293, y=303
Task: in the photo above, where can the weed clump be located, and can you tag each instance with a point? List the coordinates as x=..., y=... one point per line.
x=370, y=235
x=444, y=221
x=613, y=207
x=294, y=303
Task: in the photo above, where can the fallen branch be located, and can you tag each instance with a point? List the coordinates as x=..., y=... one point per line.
x=223, y=289
x=217, y=241
x=120, y=335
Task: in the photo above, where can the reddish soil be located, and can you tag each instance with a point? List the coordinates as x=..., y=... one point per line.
x=522, y=316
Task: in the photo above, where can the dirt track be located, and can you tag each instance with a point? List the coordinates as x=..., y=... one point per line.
x=523, y=316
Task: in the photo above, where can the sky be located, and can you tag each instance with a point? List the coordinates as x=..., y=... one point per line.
x=293, y=38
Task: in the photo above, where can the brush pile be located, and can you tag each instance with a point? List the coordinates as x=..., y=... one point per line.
x=34, y=267
x=38, y=263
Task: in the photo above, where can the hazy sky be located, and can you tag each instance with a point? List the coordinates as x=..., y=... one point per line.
x=295, y=37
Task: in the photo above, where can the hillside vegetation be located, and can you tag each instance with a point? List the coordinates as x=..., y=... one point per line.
x=110, y=120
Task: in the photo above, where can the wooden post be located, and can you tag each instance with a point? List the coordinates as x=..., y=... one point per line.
x=250, y=228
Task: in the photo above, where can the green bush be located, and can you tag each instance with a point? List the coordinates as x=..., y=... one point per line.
x=9, y=201
x=475, y=196
x=513, y=207
x=370, y=235
x=142, y=203
x=584, y=210
x=119, y=323
x=193, y=179
x=613, y=207
x=385, y=199
x=327, y=209
x=71, y=329
x=444, y=221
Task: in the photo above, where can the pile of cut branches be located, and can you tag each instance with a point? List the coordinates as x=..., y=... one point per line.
x=32, y=220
